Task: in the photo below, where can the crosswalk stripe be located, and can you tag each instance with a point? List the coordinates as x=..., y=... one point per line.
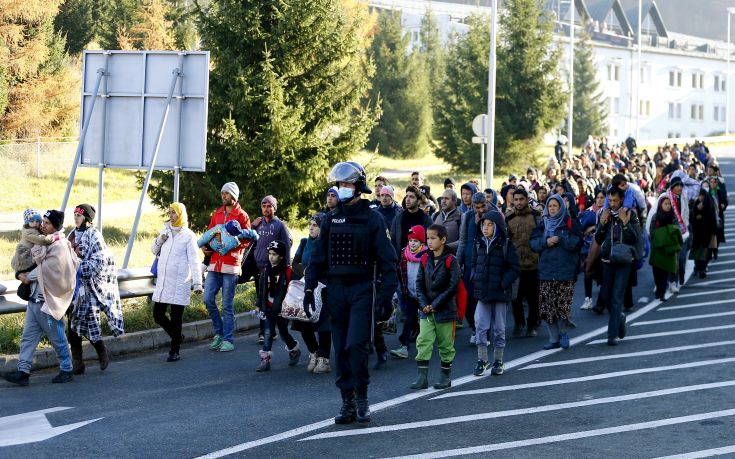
x=571, y=436
x=684, y=319
x=628, y=355
x=695, y=305
x=712, y=272
x=614, y=374
x=703, y=453
x=708, y=292
x=668, y=333
x=519, y=411
x=712, y=282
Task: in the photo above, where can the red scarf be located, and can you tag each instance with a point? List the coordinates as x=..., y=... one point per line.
x=677, y=212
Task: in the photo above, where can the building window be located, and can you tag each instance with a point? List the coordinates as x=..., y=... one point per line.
x=675, y=78
x=645, y=75
x=613, y=72
x=717, y=83
x=415, y=36
x=674, y=110
x=717, y=113
x=697, y=112
x=697, y=80
x=614, y=105
x=644, y=108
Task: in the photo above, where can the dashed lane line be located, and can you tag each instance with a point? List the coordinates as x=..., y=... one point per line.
x=683, y=319
x=627, y=355
x=703, y=453
x=708, y=292
x=572, y=436
x=694, y=305
x=520, y=411
x=668, y=333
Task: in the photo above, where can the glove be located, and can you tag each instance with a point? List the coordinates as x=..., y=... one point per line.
x=383, y=310
x=309, y=303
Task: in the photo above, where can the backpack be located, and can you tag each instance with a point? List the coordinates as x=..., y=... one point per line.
x=512, y=292
x=461, y=295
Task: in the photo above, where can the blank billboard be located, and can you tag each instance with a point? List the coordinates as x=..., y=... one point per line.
x=130, y=105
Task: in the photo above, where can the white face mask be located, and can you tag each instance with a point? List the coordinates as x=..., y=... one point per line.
x=345, y=194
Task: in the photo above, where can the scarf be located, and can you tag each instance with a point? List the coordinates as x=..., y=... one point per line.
x=182, y=219
x=552, y=223
x=412, y=257
x=674, y=210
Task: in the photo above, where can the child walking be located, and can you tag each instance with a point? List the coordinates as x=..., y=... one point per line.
x=409, y=267
x=273, y=286
x=437, y=282
x=666, y=242
x=496, y=267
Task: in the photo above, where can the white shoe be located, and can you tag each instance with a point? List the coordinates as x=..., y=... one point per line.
x=673, y=288
x=587, y=304
x=472, y=339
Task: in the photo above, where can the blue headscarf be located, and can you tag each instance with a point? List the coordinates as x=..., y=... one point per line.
x=552, y=223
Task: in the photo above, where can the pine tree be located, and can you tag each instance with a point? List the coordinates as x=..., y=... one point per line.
x=152, y=29
x=112, y=16
x=402, y=85
x=590, y=110
x=287, y=100
x=76, y=23
x=434, y=57
x=38, y=92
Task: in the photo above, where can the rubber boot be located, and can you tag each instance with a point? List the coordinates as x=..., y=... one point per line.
x=348, y=411
x=102, y=354
x=445, y=376
x=363, y=406
x=422, y=381
x=77, y=360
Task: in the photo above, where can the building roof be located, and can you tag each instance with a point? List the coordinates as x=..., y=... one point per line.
x=649, y=10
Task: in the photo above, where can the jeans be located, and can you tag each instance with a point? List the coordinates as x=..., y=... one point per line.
x=683, y=256
x=411, y=311
x=36, y=325
x=171, y=326
x=615, y=279
x=223, y=325
x=271, y=322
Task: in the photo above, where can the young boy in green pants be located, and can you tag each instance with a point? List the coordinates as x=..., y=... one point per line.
x=436, y=285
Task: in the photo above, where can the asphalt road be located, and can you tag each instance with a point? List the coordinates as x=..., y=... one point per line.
x=666, y=390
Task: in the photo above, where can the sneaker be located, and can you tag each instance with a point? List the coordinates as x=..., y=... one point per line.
x=322, y=366
x=293, y=356
x=473, y=339
x=226, y=346
x=400, y=352
x=481, y=367
x=498, y=368
x=517, y=331
x=63, y=377
x=564, y=341
x=549, y=346
x=17, y=377
x=612, y=341
x=173, y=357
x=216, y=343
x=587, y=304
x=312, y=363
x=532, y=333
x=673, y=288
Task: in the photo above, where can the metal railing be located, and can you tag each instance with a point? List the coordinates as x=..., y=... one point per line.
x=133, y=283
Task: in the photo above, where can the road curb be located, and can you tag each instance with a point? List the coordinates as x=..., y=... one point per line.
x=129, y=343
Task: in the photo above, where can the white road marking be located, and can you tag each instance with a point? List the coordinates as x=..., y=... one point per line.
x=628, y=355
x=33, y=426
x=571, y=436
x=684, y=319
x=695, y=305
x=597, y=377
x=720, y=281
x=668, y=333
x=712, y=272
x=519, y=411
x=720, y=263
x=708, y=292
x=703, y=453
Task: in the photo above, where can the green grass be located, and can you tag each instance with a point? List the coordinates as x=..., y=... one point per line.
x=20, y=192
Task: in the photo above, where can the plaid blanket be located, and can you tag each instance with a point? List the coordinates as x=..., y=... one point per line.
x=97, y=289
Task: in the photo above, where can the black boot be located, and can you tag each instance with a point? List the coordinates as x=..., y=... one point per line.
x=347, y=412
x=77, y=360
x=17, y=377
x=445, y=378
x=63, y=377
x=363, y=407
x=102, y=354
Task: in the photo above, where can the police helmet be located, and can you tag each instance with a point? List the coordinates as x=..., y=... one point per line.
x=350, y=172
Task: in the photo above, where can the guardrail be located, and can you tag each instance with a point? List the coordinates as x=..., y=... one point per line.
x=133, y=283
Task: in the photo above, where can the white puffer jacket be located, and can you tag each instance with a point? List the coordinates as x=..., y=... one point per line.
x=178, y=266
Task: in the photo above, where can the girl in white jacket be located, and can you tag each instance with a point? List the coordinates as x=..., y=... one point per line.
x=179, y=270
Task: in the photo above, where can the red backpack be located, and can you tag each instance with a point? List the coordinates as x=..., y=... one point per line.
x=461, y=296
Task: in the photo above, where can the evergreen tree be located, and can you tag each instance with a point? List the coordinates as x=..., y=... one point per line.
x=152, y=29
x=287, y=100
x=434, y=57
x=590, y=110
x=76, y=23
x=401, y=83
x=113, y=16
x=38, y=92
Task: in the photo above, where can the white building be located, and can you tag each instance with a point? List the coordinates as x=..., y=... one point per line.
x=683, y=88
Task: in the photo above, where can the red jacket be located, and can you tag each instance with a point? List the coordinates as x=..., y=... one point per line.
x=231, y=262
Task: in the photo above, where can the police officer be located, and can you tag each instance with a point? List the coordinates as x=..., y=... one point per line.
x=354, y=251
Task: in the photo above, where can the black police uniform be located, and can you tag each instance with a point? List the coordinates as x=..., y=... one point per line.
x=352, y=248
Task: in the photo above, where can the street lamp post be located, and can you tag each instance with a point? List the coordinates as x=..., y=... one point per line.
x=490, y=163
x=638, y=78
x=570, y=114
x=730, y=11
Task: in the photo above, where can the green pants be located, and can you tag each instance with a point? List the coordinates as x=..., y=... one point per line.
x=442, y=332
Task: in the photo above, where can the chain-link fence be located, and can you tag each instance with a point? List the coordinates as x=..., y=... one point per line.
x=40, y=156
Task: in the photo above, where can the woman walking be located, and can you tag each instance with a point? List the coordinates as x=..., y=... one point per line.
x=557, y=240
x=96, y=290
x=666, y=242
x=179, y=270
x=703, y=219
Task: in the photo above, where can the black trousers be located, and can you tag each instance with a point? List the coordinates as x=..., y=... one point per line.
x=350, y=311
x=660, y=279
x=528, y=288
x=273, y=321
x=322, y=347
x=172, y=325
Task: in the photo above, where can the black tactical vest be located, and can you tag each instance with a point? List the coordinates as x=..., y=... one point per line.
x=349, y=245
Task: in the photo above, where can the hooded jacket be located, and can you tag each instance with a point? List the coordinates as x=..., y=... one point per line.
x=467, y=186
x=521, y=224
x=494, y=271
x=560, y=262
x=231, y=262
x=437, y=286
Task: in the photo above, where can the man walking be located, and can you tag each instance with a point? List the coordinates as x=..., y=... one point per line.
x=224, y=270
x=352, y=252
x=449, y=217
x=410, y=217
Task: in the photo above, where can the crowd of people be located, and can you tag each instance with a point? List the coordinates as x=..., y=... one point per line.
x=405, y=256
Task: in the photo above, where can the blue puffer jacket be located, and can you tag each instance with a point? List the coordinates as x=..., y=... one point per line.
x=494, y=273
x=560, y=262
